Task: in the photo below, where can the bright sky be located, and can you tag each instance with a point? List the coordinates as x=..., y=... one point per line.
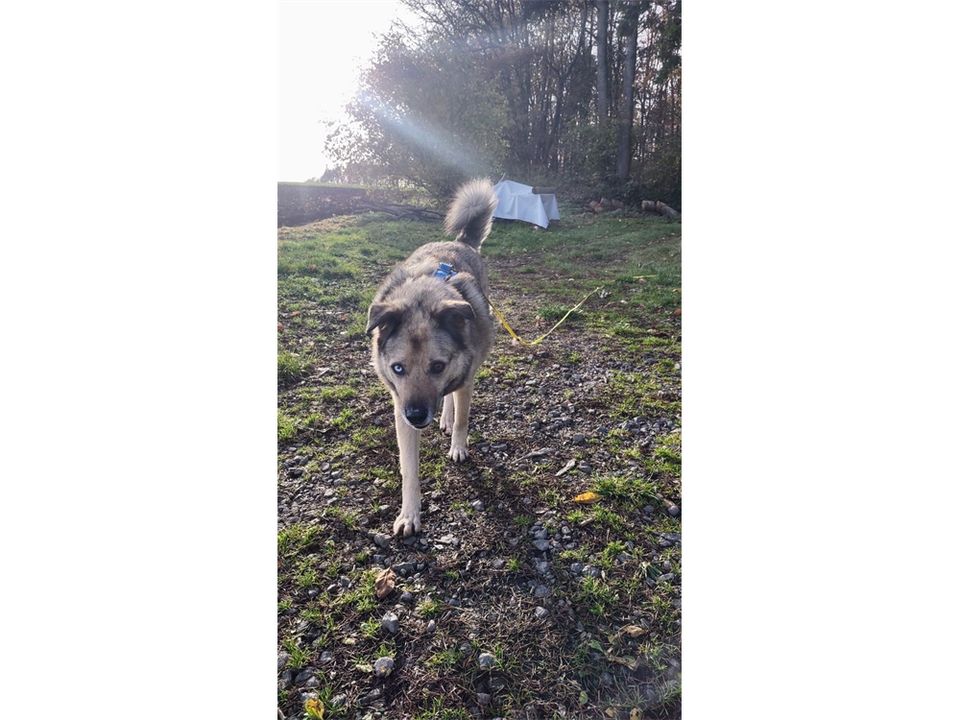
x=322, y=46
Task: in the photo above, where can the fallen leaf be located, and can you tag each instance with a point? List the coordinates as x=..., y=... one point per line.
x=632, y=631
x=627, y=661
x=586, y=498
x=635, y=714
x=610, y=712
x=314, y=709
x=385, y=583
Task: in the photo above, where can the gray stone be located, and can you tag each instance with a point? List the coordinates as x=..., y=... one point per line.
x=286, y=679
x=486, y=660
x=497, y=563
x=404, y=568
x=390, y=623
x=312, y=683
x=449, y=540
x=541, y=591
x=483, y=698
x=543, y=567
x=382, y=540
x=326, y=657
x=576, y=568
x=282, y=659
x=540, y=612
x=591, y=570
x=432, y=626
x=541, y=545
x=383, y=666
x=541, y=534
x=371, y=697
x=303, y=676
x=477, y=505
x=406, y=597
x=673, y=510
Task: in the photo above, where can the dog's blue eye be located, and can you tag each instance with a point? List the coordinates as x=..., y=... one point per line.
x=397, y=368
x=437, y=367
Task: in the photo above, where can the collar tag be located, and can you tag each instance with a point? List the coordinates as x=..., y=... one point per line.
x=444, y=271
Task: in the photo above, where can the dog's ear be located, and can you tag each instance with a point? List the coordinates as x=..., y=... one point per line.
x=453, y=316
x=383, y=314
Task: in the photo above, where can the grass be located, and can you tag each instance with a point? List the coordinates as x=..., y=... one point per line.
x=286, y=427
x=621, y=353
x=298, y=656
x=428, y=608
x=290, y=367
x=437, y=710
x=628, y=489
x=444, y=659
x=298, y=538
x=597, y=595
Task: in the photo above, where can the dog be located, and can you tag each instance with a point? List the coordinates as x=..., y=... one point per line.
x=431, y=329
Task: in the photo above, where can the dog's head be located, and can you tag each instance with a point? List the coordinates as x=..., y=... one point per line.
x=420, y=347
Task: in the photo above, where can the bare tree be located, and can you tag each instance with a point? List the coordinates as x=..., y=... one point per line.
x=603, y=92
x=629, y=32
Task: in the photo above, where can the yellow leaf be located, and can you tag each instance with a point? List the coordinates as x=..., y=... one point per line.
x=314, y=709
x=632, y=631
x=586, y=498
x=635, y=714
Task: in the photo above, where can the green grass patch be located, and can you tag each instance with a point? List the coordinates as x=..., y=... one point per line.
x=286, y=427
x=596, y=594
x=428, y=608
x=290, y=367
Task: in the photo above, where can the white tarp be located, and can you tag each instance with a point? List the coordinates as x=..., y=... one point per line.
x=516, y=201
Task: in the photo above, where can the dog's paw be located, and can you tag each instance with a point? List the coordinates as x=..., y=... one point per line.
x=458, y=453
x=407, y=523
x=446, y=420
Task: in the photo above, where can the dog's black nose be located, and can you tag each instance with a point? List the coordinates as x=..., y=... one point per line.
x=417, y=415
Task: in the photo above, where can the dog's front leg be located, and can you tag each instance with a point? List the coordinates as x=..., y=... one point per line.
x=408, y=438
x=446, y=417
x=461, y=405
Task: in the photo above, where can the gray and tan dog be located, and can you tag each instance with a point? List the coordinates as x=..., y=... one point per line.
x=431, y=329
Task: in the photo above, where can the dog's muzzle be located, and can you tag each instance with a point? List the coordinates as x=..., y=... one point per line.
x=417, y=415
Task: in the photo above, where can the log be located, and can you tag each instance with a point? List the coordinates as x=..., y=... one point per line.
x=659, y=207
x=401, y=211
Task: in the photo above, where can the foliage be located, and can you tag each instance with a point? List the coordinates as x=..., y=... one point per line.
x=492, y=87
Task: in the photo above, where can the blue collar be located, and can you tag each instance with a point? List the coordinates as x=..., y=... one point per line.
x=444, y=272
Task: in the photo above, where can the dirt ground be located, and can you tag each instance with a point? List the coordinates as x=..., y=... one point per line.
x=515, y=600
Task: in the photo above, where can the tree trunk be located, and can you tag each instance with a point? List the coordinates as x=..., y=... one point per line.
x=603, y=92
x=624, y=147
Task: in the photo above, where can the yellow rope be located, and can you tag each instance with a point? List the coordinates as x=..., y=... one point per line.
x=506, y=325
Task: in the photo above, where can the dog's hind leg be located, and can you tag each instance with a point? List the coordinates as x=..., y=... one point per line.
x=461, y=403
x=408, y=438
x=446, y=416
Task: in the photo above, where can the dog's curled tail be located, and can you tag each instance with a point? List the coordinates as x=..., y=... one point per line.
x=471, y=213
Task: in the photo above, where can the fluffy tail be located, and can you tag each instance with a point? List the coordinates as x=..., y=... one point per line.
x=471, y=213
